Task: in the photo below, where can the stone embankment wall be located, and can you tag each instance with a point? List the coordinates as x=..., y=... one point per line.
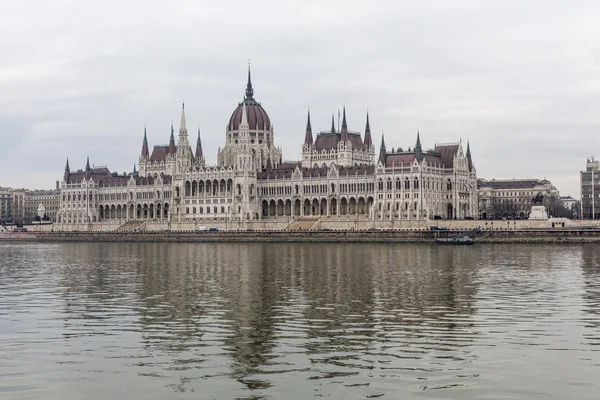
x=341, y=223
x=351, y=236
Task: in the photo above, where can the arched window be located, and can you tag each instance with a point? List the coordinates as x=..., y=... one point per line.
x=407, y=184
x=449, y=185
x=380, y=184
x=416, y=184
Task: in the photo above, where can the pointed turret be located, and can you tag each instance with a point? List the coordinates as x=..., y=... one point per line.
x=249, y=90
x=199, y=154
x=244, y=121
x=172, y=148
x=382, y=151
x=88, y=169
x=368, y=140
x=145, y=152
x=344, y=137
x=67, y=171
x=182, y=125
x=308, y=138
x=332, y=124
x=418, y=149
x=134, y=171
x=469, y=160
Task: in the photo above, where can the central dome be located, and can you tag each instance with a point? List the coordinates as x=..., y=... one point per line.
x=257, y=116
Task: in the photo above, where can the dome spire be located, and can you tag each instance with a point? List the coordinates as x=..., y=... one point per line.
x=249, y=90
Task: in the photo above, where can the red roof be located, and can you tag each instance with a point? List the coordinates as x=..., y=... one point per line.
x=396, y=160
x=159, y=153
x=330, y=140
x=447, y=153
x=257, y=117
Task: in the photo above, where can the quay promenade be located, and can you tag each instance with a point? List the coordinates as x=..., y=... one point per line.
x=555, y=235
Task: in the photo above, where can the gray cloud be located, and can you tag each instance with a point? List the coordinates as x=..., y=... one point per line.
x=519, y=80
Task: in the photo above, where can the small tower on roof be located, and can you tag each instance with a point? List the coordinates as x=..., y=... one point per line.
x=344, y=134
x=469, y=159
x=382, y=150
x=199, y=153
x=172, y=148
x=368, y=140
x=145, y=152
x=67, y=171
x=308, y=137
x=418, y=149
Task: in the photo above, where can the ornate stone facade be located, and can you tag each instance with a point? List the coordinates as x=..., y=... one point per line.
x=340, y=176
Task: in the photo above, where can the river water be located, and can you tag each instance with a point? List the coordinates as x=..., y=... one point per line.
x=298, y=321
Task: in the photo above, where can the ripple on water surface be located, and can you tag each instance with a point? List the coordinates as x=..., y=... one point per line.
x=249, y=321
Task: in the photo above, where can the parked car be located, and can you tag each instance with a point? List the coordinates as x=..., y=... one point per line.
x=212, y=229
x=20, y=229
x=434, y=228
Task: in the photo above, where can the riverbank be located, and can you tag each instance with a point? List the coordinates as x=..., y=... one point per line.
x=317, y=236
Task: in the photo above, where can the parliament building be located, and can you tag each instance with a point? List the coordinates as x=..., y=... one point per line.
x=341, y=174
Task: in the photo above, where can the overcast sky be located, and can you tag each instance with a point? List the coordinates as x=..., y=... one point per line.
x=519, y=79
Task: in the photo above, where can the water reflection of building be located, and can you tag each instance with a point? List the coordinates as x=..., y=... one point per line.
x=591, y=286
x=241, y=309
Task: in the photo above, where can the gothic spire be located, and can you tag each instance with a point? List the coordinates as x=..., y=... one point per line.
x=134, y=170
x=199, y=154
x=382, y=150
x=87, y=165
x=244, y=121
x=249, y=90
x=182, y=126
x=67, y=169
x=332, y=124
x=172, y=148
x=368, y=140
x=344, y=137
x=418, y=149
x=308, y=138
x=145, y=152
x=469, y=159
